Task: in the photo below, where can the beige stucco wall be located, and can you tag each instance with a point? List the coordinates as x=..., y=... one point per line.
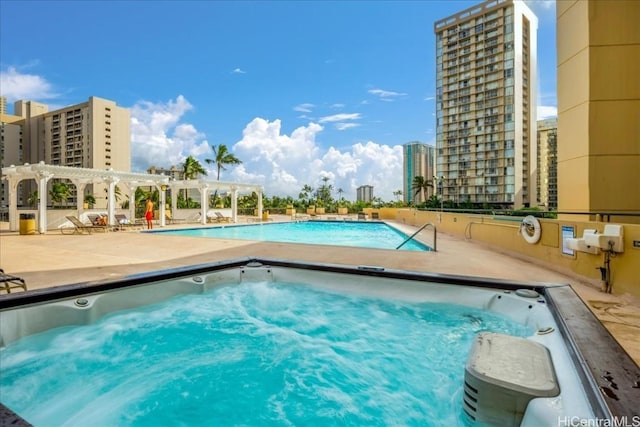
x=598, y=46
x=503, y=234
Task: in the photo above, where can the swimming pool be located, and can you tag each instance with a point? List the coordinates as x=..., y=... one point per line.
x=299, y=321
x=341, y=233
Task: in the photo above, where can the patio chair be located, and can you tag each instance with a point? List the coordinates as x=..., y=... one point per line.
x=374, y=215
x=362, y=216
x=8, y=282
x=79, y=227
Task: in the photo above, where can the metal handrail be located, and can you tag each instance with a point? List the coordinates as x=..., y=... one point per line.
x=435, y=236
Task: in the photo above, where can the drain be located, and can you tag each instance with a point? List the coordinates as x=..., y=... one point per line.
x=81, y=302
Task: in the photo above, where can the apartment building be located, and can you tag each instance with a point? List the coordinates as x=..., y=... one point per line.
x=486, y=105
x=94, y=134
x=547, y=163
x=418, y=160
x=364, y=193
x=11, y=149
x=173, y=172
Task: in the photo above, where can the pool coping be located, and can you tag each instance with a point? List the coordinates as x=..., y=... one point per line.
x=610, y=377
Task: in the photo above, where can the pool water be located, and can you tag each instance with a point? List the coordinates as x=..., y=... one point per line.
x=342, y=233
x=252, y=354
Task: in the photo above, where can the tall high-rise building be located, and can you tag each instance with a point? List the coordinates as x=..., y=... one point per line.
x=94, y=134
x=548, y=163
x=486, y=104
x=418, y=160
x=364, y=193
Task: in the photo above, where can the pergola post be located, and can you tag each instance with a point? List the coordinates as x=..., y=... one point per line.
x=43, y=177
x=162, y=196
x=132, y=201
x=204, y=205
x=174, y=198
x=13, y=203
x=234, y=204
x=259, y=204
x=112, y=181
x=80, y=186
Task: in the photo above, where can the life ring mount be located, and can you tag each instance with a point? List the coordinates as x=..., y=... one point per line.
x=531, y=229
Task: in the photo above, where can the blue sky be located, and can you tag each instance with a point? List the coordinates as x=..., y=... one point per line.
x=297, y=90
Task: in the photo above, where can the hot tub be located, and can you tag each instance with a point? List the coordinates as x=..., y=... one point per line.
x=562, y=369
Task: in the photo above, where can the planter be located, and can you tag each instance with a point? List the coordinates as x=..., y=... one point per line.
x=319, y=211
x=343, y=211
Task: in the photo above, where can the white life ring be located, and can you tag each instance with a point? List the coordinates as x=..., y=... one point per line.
x=531, y=229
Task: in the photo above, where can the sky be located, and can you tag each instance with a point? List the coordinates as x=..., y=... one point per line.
x=297, y=90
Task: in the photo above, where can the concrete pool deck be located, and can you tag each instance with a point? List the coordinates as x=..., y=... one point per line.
x=54, y=259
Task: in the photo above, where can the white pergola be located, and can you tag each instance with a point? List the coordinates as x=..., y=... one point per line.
x=80, y=177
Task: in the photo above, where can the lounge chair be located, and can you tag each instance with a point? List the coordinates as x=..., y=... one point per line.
x=124, y=222
x=79, y=227
x=8, y=282
x=99, y=221
x=221, y=218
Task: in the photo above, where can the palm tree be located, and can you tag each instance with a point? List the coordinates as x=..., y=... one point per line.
x=323, y=194
x=59, y=192
x=420, y=185
x=222, y=157
x=305, y=193
x=191, y=168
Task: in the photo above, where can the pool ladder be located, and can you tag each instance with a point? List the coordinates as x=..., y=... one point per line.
x=435, y=236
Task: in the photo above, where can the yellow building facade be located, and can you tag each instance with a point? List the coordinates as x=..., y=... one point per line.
x=598, y=48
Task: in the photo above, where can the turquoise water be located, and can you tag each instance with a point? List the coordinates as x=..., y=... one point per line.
x=341, y=233
x=255, y=354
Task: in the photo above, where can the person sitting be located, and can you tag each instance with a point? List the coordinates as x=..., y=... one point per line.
x=101, y=220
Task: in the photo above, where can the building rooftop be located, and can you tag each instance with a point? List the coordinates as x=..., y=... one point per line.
x=54, y=259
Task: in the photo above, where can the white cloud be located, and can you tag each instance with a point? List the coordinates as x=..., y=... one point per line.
x=160, y=136
x=542, y=4
x=16, y=86
x=239, y=71
x=283, y=164
x=340, y=117
x=386, y=95
x=304, y=108
x=546, y=111
x=159, y=139
x=345, y=126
